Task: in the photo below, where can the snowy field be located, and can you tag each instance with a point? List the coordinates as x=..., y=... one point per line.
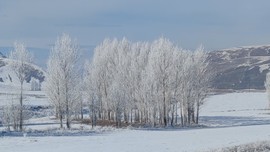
x=230, y=119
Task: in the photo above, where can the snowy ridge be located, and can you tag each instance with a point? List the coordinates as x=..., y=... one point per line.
x=241, y=67
x=267, y=46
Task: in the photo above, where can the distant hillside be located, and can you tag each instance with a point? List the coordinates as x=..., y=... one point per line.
x=8, y=79
x=241, y=68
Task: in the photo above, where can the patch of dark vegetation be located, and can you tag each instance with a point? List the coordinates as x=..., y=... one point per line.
x=136, y=125
x=104, y=123
x=35, y=73
x=37, y=111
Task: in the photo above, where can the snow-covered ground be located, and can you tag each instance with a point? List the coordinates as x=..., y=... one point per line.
x=236, y=109
x=140, y=140
x=232, y=119
x=34, y=98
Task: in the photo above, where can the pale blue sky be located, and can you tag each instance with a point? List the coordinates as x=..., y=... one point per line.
x=216, y=24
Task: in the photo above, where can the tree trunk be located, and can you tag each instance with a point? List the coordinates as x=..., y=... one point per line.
x=81, y=110
x=67, y=116
x=67, y=106
x=61, y=118
x=131, y=116
x=172, y=119
x=21, y=108
x=92, y=116
x=193, y=115
x=154, y=116
x=197, y=113
x=176, y=114
x=109, y=115
x=189, y=116
x=56, y=113
x=182, y=113
x=164, y=110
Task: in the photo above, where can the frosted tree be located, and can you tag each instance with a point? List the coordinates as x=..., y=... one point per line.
x=202, y=77
x=80, y=104
x=90, y=92
x=180, y=67
x=98, y=72
x=62, y=77
x=53, y=85
x=11, y=113
x=138, y=83
x=120, y=88
x=183, y=84
x=194, y=77
x=20, y=65
x=161, y=63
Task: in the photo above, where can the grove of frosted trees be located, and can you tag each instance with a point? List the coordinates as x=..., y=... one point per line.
x=143, y=83
x=154, y=83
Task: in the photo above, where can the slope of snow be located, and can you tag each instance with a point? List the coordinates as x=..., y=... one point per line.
x=236, y=109
x=236, y=104
x=8, y=75
x=233, y=119
x=9, y=80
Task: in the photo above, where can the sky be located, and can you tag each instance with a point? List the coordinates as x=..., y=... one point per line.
x=216, y=24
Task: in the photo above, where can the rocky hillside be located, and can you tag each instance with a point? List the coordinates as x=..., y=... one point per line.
x=240, y=68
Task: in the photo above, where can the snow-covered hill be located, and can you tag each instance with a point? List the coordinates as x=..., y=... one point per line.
x=241, y=68
x=10, y=82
